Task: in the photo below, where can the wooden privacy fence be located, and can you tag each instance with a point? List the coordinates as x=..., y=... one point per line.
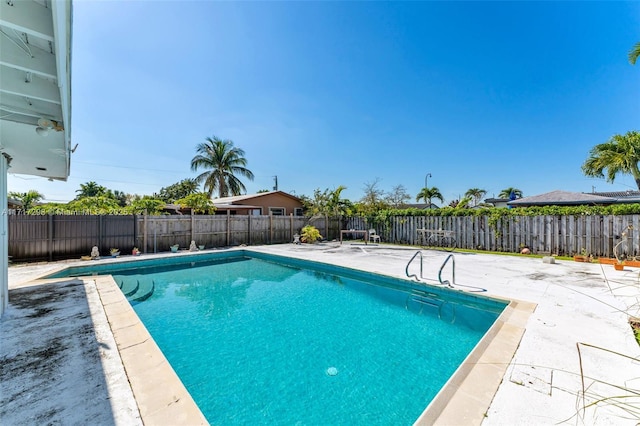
x=561, y=235
x=54, y=237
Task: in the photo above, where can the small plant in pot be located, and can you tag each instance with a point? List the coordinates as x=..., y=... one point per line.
x=582, y=257
x=135, y=251
x=114, y=252
x=174, y=248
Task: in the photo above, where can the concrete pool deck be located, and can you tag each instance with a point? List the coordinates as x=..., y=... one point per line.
x=579, y=305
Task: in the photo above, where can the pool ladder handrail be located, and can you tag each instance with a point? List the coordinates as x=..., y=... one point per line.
x=406, y=269
x=453, y=272
x=445, y=282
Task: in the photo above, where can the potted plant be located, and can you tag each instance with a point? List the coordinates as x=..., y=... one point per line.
x=619, y=266
x=135, y=251
x=174, y=248
x=582, y=257
x=114, y=252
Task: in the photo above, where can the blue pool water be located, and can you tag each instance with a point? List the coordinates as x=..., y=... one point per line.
x=289, y=342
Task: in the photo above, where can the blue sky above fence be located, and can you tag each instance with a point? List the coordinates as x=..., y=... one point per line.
x=321, y=94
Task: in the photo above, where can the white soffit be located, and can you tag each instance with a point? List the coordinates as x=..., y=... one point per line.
x=35, y=86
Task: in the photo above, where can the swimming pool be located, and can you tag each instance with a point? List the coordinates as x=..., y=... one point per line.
x=278, y=340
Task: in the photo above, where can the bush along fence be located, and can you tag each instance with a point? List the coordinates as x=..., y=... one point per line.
x=56, y=237
x=563, y=235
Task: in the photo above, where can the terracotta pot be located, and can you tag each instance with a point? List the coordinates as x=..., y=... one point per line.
x=618, y=266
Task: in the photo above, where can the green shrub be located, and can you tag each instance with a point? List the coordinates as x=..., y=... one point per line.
x=310, y=234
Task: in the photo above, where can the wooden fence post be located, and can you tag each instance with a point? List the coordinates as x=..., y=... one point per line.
x=228, y=228
x=145, y=246
x=270, y=227
x=50, y=238
x=193, y=226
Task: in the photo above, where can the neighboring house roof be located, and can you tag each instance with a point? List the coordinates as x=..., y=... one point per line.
x=237, y=200
x=422, y=206
x=561, y=198
x=496, y=200
x=622, y=196
x=618, y=194
x=13, y=203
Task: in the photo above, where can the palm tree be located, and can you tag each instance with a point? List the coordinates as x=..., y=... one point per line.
x=476, y=194
x=620, y=154
x=223, y=162
x=90, y=189
x=28, y=199
x=427, y=194
x=506, y=193
x=634, y=53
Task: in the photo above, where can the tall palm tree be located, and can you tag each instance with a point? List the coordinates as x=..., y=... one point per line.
x=620, y=154
x=634, y=53
x=427, y=194
x=476, y=194
x=224, y=162
x=506, y=193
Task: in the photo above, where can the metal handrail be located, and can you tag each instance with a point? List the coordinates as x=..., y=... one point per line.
x=453, y=270
x=406, y=269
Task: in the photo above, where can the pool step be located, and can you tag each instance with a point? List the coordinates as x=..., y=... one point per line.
x=129, y=287
x=145, y=291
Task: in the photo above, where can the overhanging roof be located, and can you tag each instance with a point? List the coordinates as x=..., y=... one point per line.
x=35, y=86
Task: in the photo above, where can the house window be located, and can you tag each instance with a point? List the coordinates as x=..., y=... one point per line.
x=276, y=211
x=298, y=211
x=256, y=212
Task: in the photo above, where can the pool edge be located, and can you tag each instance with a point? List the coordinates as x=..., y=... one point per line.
x=159, y=393
x=467, y=395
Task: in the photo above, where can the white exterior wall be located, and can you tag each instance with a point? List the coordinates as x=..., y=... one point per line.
x=4, y=237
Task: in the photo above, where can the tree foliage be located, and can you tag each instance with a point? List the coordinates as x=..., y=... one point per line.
x=634, y=53
x=221, y=162
x=90, y=189
x=200, y=203
x=475, y=194
x=178, y=190
x=506, y=193
x=28, y=199
x=152, y=206
x=373, y=199
x=398, y=197
x=98, y=204
x=427, y=194
x=619, y=155
x=327, y=203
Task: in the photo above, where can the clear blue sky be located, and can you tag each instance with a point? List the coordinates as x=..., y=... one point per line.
x=488, y=95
